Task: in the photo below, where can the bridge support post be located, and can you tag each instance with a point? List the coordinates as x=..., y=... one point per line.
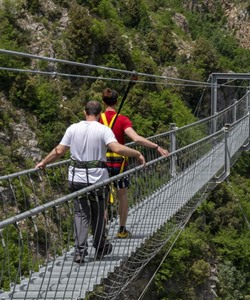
x=227, y=157
x=234, y=111
x=214, y=103
x=173, y=148
x=246, y=147
x=227, y=154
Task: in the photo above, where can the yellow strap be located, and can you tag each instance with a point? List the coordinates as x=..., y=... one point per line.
x=125, y=159
x=105, y=121
x=123, y=164
x=113, y=154
x=112, y=194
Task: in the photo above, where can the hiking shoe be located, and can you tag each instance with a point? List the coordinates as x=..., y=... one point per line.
x=79, y=259
x=106, y=250
x=125, y=234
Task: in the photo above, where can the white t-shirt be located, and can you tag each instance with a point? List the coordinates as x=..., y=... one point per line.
x=88, y=141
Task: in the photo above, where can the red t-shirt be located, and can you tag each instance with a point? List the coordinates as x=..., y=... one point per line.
x=121, y=124
x=117, y=163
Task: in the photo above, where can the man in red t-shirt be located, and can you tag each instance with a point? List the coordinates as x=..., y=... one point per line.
x=118, y=164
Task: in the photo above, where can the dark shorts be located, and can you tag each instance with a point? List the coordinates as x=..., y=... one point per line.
x=121, y=183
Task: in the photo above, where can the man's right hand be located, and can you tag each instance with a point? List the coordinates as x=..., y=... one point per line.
x=141, y=160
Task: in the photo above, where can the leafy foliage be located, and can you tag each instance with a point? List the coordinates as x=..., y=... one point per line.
x=125, y=35
x=216, y=240
x=143, y=36
x=231, y=281
x=11, y=37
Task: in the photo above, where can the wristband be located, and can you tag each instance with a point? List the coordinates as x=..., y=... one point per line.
x=156, y=147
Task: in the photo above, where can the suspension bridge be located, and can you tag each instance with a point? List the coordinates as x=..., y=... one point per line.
x=37, y=211
x=36, y=227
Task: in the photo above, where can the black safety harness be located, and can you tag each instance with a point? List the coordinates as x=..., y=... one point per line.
x=87, y=164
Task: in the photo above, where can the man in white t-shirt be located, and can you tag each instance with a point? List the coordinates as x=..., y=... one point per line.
x=88, y=141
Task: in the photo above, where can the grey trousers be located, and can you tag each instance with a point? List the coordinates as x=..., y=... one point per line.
x=88, y=213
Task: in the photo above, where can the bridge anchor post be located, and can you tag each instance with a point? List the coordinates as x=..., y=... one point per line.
x=246, y=147
x=227, y=164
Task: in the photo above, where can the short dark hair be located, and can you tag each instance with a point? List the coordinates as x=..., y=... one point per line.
x=93, y=108
x=109, y=96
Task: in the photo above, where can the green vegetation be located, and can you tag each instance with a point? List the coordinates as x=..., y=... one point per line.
x=141, y=36
x=215, y=243
x=144, y=36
